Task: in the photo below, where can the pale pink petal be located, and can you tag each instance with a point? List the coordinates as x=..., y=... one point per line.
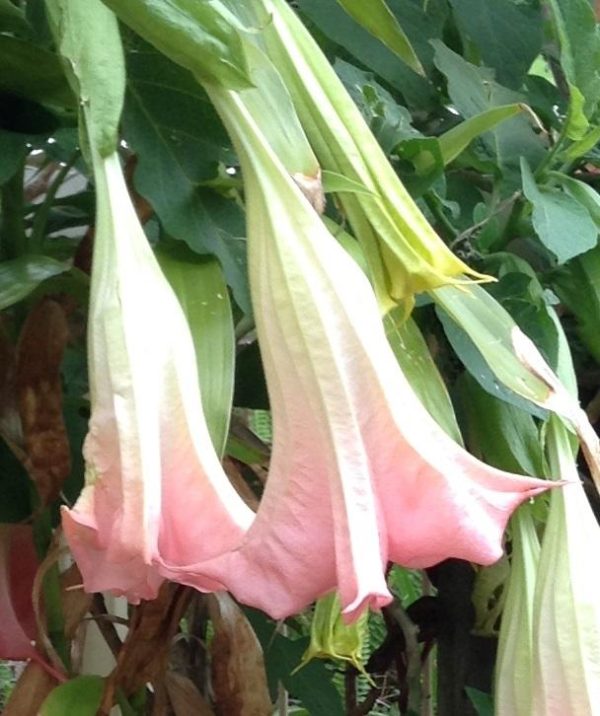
x=360, y=472
x=154, y=486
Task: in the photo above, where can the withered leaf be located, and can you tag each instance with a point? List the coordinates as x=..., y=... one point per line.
x=185, y=698
x=39, y=397
x=238, y=670
x=30, y=691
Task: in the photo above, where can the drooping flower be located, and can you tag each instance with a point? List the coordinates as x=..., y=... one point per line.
x=154, y=486
x=360, y=473
x=566, y=612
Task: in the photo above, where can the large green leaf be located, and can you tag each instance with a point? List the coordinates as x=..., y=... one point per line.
x=579, y=38
x=336, y=24
x=311, y=685
x=201, y=36
x=562, y=223
x=473, y=91
x=12, y=19
x=583, y=193
x=178, y=139
x=508, y=36
x=80, y=696
x=88, y=38
x=481, y=331
x=379, y=20
x=420, y=369
x=19, y=277
x=33, y=72
x=203, y=295
x=499, y=433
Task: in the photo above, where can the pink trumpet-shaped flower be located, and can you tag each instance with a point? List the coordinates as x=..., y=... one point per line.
x=155, y=489
x=360, y=472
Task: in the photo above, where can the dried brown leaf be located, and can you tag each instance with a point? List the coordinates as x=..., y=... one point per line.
x=185, y=698
x=39, y=397
x=238, y=670
x=145, y=652
x=30, y=691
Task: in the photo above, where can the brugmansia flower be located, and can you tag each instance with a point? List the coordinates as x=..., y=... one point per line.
x=154, y=486
x=514, y=663
x=566, y=622
x=360, y=473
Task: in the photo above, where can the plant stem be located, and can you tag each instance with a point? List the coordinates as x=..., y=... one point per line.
x=42, y=213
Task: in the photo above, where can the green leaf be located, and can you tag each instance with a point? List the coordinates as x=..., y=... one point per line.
x=33, y=72
x=577, y=284
x=80, y=696
x=420, y=369
x=508, y=36
x=563, y=224
x=499, y=433
x=480, y=332
x=483, y=703
x=201, y=36
x=583, y=193
x=456, y=140
x=13, y=149
x=12, y=19
x=202, y=292
x=378, y=19
x=89, y=41
x=390, y=122
x=334, y=183
x=312, y=685
x=473, y=91
x=19, y=277
x=330, y=18
x=579, y=38
x=178, y=139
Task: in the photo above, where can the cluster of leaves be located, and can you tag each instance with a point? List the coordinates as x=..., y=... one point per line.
x=488, y=110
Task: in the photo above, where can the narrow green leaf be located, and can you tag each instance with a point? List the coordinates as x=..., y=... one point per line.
x=420, y=369
x=13, y=149
x=33, y=72
x=202, y=292
x=577, y=284
x=583, y=145
x=376, y=17
x=562, y=223
x=19, y=277
x=457, y=139
x=334, y=183
x=89, y=41
x=579, y=38
x=482, y=702
x=79, y=697
x=480, y=331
